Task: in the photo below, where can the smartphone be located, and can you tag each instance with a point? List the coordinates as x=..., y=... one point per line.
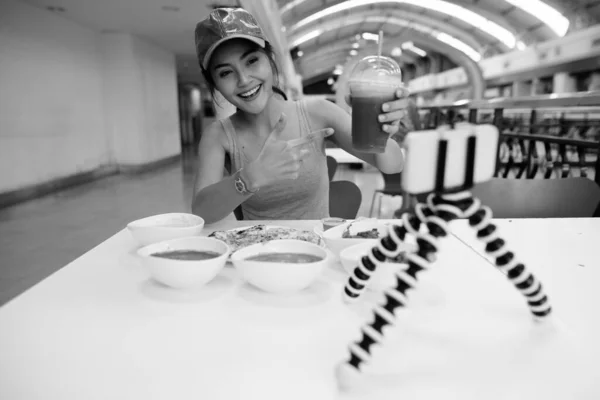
x=422, y=149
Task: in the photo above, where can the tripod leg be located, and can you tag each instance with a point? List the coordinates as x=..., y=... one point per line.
x=348, y=372
x=387, y=248
x=517, y=273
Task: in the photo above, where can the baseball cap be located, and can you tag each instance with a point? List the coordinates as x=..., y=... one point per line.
x=224, y=24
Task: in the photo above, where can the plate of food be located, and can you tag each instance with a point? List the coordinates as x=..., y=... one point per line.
x=354, y=232
x=247, y=236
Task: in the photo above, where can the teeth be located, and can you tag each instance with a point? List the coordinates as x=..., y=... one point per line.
x=250, y=92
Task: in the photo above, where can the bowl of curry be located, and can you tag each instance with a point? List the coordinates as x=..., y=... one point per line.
x=185, y=263
x=281, y=266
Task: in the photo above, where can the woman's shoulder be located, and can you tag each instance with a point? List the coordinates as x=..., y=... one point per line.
x=319, y=109
x=214, y=135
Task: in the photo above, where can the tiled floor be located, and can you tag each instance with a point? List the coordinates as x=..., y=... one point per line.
x=39, y=237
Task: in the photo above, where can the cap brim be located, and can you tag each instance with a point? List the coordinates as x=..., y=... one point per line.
x=212, y=48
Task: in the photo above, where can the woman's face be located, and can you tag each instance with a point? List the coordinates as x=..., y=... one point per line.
x=242, y=73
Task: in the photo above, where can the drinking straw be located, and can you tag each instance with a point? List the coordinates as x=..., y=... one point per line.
x=379, y=46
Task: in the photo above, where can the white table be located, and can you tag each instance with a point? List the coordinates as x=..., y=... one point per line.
x=100, y=329
x=342, y=156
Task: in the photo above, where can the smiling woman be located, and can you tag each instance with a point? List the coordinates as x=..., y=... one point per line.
x=273, y=174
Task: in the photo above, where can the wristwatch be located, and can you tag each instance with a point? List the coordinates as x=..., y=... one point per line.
x=240, y=185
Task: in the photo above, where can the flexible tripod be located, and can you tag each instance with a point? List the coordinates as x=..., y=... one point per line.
x=429, y=223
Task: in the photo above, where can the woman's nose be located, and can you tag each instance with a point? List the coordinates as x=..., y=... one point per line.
x=243, y=79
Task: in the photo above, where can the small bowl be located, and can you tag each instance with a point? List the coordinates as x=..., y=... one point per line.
x=280, y=277
x=158, y=228
x=185, y=274
x=333, y=237
x=331, y=222
x=385, y=274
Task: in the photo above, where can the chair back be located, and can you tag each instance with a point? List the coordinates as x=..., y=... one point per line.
x=344, y=199
x=331, y=167
x=239, y=214
x=392, y=184
x=540, y=198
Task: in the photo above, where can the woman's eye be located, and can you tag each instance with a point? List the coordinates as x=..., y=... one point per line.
x=223, y=74
x=252, y=60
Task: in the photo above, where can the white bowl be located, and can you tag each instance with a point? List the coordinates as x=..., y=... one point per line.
x=384, y=276
x=185, y=274
x=280, y=277
x=158, y=228
x=333, y=237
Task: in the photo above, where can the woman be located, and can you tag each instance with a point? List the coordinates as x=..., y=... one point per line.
x=272, y=177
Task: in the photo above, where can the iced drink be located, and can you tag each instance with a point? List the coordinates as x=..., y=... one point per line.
x=373, y=82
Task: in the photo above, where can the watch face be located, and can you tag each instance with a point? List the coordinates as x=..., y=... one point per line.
x=239, y=186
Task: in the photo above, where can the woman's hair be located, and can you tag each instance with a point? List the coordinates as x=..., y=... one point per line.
x=270, y=53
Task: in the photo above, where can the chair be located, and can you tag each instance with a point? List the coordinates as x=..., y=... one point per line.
x=392, y=187
x=332, y=165
x=344, y=199
x=526, y=156
x=540, y=198
x=239, y=214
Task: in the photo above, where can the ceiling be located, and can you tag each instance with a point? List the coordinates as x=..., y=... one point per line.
x=317, y=26
x=425, y=23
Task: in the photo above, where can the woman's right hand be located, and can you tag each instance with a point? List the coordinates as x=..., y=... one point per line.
x=278, y=160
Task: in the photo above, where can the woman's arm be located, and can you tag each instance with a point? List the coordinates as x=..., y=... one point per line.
x=329, y=115
x=215, y=197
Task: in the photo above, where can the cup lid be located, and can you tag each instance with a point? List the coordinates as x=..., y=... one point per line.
x=376, y=69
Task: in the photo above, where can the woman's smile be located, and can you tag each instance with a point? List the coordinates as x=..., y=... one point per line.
x=251, y=94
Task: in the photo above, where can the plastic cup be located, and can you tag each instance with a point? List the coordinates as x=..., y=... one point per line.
x=373, y=82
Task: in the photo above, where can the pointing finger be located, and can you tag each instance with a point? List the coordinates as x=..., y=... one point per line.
x=279, y=125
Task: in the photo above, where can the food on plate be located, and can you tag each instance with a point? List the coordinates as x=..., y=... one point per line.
x=187, y=255
x=240, y=238
x=370, y=234
x=291, y=258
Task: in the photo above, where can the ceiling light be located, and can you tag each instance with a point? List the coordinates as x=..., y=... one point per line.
x=450, y=9
x=330, y=81
x=370, y=36
x=445, y=38
x=355, y=45
x=353, y=52
x=545, y=13
x=521, y=46
x=396, y=52
x=300, y=53
x=309, y=36
x=289, y=6
x=411, y=47
x=537, y=8
x=457, y=44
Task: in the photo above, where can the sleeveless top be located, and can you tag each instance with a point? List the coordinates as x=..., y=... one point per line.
x=304, y=198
